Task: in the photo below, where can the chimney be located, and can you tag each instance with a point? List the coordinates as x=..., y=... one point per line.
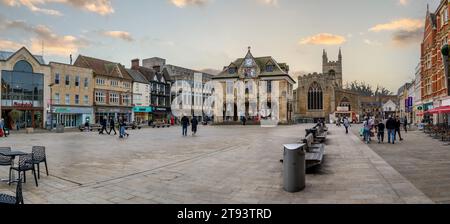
x=135, y=63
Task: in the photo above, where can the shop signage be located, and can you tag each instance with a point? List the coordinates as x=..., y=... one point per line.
x=113, y=110
x=143, y=109
x=342, y=109
x=72, y=110
x=160, y=109
x=17, y=104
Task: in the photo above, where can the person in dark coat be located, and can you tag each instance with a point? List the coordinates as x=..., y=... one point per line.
x=380, y=130
x=184, y=125
x=112, y=126
x=398, y=124
x=194, y=123
x=390, y=126
x=103, y=124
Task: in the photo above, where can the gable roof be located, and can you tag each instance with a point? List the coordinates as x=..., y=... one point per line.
x=280, y=69
x=103, y=67
x=137, y=76
x=6, y=55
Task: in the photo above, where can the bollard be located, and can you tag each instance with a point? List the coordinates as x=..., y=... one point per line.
x=294, y=167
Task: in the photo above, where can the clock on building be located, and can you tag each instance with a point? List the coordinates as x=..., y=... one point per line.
x=248, y=62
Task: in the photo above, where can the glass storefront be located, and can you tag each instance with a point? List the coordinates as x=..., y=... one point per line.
x=71, y=117
x=115, y=113
x=22, y=97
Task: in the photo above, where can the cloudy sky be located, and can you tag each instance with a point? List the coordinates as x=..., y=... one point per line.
x=380, y=40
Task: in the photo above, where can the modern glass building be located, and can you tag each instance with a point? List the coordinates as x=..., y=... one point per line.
x=22, y=94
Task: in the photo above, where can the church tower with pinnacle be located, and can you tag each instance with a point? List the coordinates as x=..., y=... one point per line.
x=333, y=68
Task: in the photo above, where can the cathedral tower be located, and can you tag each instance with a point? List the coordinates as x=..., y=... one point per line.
x=333, y=68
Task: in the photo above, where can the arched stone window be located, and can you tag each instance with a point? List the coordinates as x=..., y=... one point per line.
x=23, y=66
x=346, y=103
x=332, y=72
x=315, y=97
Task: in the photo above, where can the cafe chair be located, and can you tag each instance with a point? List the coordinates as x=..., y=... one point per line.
x=5, y=160
x=38, y=158
x=11, y=200
x=25, y=164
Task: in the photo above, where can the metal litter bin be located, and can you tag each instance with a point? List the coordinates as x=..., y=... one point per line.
x=294, y=167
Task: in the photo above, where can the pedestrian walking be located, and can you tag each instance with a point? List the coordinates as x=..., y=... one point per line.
x=346, y=124
x=366, y=131
x=122, y=131
x=2, y=128
x=112, y=127
x=103, y=124
x=380, y=130
x=397, y=128
x=194, y=123
x=390, y=126
x=244, y=120
x=184, y=125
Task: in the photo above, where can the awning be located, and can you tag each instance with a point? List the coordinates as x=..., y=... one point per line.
x=439, y=110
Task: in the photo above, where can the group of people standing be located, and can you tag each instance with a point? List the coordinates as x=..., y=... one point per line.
x=392, y=125
x=112, y=127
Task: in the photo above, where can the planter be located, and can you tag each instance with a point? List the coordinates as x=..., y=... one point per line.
x=29, y=130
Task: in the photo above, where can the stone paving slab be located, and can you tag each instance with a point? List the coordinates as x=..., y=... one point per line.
x=424, y=161
x=229, y=164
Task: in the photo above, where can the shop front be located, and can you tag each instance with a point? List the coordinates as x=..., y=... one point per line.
x=22, y=94
x=113, y=112
x=161, y=114
x=71, y=117
x=142, y=114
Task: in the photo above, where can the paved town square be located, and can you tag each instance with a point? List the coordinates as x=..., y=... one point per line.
x=229, y=164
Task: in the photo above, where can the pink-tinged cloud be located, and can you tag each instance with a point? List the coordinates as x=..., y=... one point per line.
x=42, y=36
x=184, y=3
x=405, y=24
x=119, y=35
x=101, y=7
x=403, y=2
x=9, y=45
x=323, y=39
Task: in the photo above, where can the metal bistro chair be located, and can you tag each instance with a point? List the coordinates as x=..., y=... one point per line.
x=39, y=157
x=5, y=160
x=11, y=200
x=25, y=164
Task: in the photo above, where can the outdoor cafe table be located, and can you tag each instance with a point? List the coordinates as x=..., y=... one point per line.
x=13, y=155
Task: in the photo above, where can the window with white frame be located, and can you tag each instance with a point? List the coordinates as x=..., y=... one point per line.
x=114, y=83
x=67, y=100
x=125, y=99
x=100, y=82
x=100, y=97
x=57, y=99
x=114, y=98
x=86, y=82
x=86, y=100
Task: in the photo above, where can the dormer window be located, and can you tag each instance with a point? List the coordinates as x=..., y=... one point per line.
x=162, y=79
x=269, y=68
x=232, y=70
x=155, y=78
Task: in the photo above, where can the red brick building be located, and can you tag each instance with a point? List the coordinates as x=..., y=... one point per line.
x=433, y=77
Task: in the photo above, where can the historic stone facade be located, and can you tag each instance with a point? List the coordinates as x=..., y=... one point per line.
x=322, y=96
x=256, y=73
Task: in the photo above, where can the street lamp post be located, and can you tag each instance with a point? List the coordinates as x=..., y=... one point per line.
x=51, y=106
